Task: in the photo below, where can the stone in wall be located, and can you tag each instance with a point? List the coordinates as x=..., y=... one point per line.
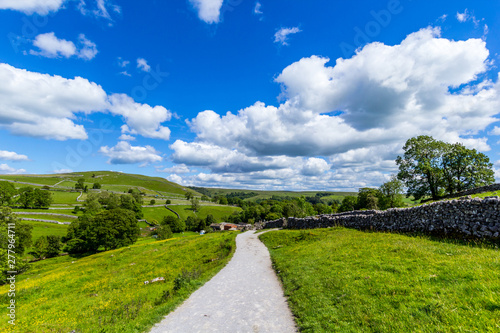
x=470, y=218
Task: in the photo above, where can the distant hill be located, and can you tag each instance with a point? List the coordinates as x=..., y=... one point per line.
x=253, y=195
x=113, y=181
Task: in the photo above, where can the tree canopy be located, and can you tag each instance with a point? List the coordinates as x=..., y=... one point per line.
x=7, y=192
x=110, y=229
x=432, y=168
x=30, y=197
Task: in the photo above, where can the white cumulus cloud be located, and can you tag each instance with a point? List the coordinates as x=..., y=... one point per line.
x=12, y=156
x=208, y=10
x=281, y=36
x=5, y=169
x=41, y=7
x=356, y=114
x=141, y=119
x=46, y=106
x=88, y=49
x=142, y=64
x=124, y=153
x=42, y=105
x=52, y=47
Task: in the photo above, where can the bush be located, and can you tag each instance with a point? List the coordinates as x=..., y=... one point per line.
x=168, y=202
x=177, y=225
x=164, y=232
x=47, y=246
x=110, y=228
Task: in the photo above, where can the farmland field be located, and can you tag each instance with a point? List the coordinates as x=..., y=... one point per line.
x=342, y=280
x=105, y=292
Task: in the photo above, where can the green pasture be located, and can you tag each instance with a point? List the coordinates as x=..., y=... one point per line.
x=342, y=280
x=105, y=292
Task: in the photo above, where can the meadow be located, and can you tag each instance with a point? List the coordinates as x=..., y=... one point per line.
x=105, y=292
x=342, y=280
x=218, y=212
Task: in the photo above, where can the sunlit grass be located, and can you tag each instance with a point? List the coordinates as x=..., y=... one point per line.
x=106, y=292
x=341, y=280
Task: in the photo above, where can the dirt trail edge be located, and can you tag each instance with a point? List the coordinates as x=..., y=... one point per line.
x=245, y=296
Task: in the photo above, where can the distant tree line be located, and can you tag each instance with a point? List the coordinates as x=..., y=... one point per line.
x=19, y=240
x=26, y=197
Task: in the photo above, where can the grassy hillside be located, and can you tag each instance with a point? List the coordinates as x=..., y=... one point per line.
x=341, y=280
x=116, y=181
x=218, y=212
x=268, y=194
x=106, y=292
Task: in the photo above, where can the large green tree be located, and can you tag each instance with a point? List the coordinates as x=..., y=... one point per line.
x=420, y=166
x=176, y=225
x=30, y=197
x=392, y=193
x=431, y=168
x=7, y=192
x=110, y=229
x=465, y=169
x=16, y=237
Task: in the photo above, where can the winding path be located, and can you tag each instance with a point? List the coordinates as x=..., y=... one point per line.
x=245, y=296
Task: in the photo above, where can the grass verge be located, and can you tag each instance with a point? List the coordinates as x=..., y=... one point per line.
x=342, y=280
x=106, y=292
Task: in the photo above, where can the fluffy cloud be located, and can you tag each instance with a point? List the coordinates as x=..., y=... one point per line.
x=45, y=106
x=141, y=118
x=41, y=105
x=258, y=8
x=12, y=156
x=142, y=64
x=208, y=10
x=356, y=113
x=463, y=17
x=101, y=9
x=5, y=169
x=281, y=36
x=495, y=131
x=177, y=179
x=314, y=167
x=219, y=159
x=176, y=169
x=124, y=153
x=41, y=7
x=52, y=47
x=88, y=49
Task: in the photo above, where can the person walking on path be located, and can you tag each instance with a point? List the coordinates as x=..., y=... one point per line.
x=245, y=296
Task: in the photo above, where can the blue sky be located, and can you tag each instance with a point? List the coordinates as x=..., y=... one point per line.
x=293, y=95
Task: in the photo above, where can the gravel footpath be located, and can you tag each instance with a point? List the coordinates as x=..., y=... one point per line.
x=245, y=296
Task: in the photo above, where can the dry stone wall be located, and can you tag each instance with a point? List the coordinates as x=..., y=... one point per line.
x=487, y=188
x=464, y=218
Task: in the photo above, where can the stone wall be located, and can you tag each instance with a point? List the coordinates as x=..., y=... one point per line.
x=463, y=218
x=488, y=188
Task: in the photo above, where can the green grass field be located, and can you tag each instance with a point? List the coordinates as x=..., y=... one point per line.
x=35, y=179
x=46, y=229
x=268, y=194
x=218, y=212
x=47, y=217
x=341, y=280
x=106, y=292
